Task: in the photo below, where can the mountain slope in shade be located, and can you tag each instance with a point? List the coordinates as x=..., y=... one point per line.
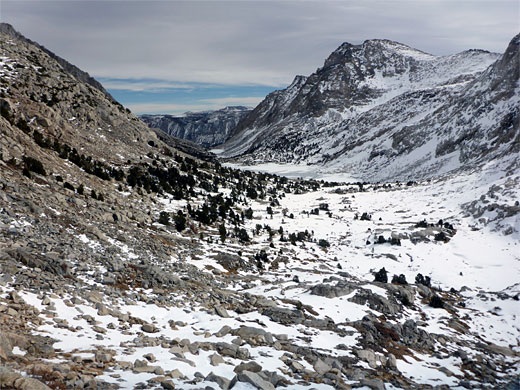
x=374, y=104
x=206, y=128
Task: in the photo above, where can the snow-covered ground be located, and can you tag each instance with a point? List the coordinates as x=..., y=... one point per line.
x=477, y=260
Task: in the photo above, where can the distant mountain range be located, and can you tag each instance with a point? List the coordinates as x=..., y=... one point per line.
x=383, y=110
x=206, y=128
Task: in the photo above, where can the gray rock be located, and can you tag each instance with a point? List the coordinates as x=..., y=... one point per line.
x=149, y=328
x=219, y=380
x=222, y=312
x=374, y=384
x=215, y=359
x=329, y=291
x=249, y=366
x=226, y=329
x=255, y=379
x=321, y=367
x=368, y=356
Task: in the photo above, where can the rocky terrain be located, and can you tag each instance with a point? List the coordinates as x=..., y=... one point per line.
x=127, y=262
x=384, y=111
x=206, y=128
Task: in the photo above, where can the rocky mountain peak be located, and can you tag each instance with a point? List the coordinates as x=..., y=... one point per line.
x=378, y=102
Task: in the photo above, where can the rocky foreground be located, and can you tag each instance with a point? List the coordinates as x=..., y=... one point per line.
x=127, y=263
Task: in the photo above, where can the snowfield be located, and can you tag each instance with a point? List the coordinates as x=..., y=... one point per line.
x=478, y=260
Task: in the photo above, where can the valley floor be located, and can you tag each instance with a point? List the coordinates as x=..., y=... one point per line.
x=314, y=317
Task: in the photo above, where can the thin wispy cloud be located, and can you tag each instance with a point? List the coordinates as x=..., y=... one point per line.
x=235, y=101
x=142, y=85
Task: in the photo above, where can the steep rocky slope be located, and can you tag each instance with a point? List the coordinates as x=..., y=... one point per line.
x=80, y=75
x=382, y=110
x=206, y=128
x=126, y=263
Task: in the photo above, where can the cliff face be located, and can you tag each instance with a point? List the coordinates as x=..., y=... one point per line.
x=383, y=110
x=208, y=128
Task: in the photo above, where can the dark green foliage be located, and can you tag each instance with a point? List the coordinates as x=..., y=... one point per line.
x=323, y=243
x=401, y=279
x=420, y=279
x=93, y=195
x=242, y=235
x=249, y=213
x=222, y=232
x=68, y=186
x=80, y=189
x=180, y=221
x=34, y=165
x=40, y=140
x=251, y=192
x=436, y=302
x=395, y=241
x=164, y=218
x=441, y=237
x=365, y=217
x=59, y=179
x=23, y=125
x=381, y=276
x=422, y=224
x=26, y=172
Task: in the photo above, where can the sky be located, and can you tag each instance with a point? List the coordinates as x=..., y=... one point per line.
x=170, y=56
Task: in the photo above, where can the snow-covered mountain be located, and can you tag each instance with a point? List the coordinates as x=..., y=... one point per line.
x=383, y=110
x=206, y=128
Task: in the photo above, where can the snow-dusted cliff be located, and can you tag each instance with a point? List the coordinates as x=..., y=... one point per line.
x=383, y=110
x=207, y=128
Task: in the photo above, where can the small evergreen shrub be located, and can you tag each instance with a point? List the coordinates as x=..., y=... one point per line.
x=164, y=218
x=401, y=279
x=34, y=165
x=323, y=243
x=425, y=281
x=180, y=221
x=381, y=276
x=365, y=217
x=436, y=302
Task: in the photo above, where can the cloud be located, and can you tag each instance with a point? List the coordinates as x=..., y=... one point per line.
x=142, y=85
x=143, y=47
x=235, y=101
x=248, y=42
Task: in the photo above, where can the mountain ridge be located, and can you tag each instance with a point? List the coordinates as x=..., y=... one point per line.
x=314, y=118
x=206, y=128
x=79, y=74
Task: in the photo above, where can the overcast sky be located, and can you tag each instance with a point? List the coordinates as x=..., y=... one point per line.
x=173, y=56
